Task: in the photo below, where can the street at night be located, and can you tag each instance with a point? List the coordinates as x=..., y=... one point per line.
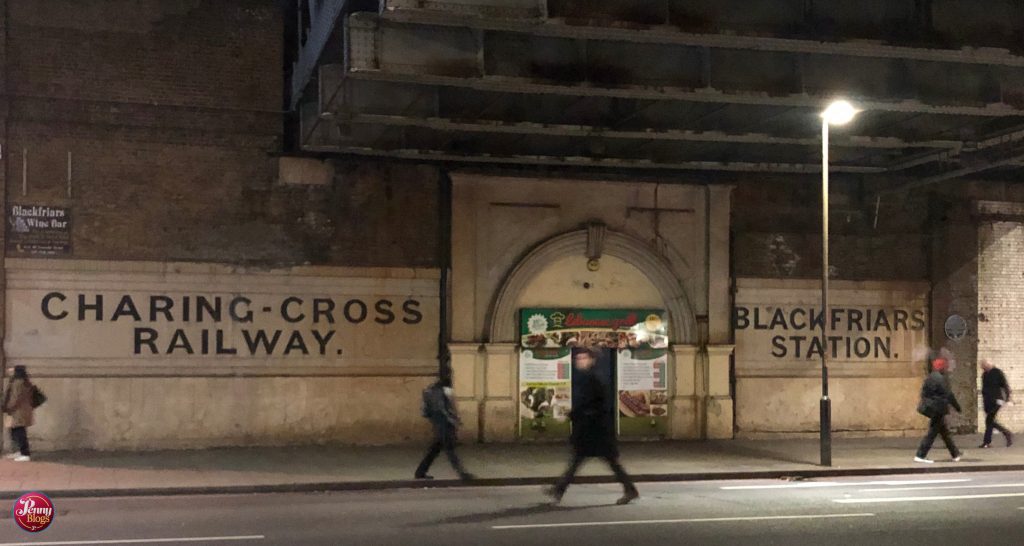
x=954, y=508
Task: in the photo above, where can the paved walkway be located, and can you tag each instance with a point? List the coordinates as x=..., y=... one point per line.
x=331, y=468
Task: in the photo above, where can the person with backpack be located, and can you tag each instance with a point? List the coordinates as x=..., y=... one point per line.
x=439, y=408
x=20, y=400
x=936, y=400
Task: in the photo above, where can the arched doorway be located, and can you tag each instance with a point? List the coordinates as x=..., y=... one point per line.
x=583, y=243
x=601, y=275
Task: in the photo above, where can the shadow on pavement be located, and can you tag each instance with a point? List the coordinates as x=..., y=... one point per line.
x=515, y=512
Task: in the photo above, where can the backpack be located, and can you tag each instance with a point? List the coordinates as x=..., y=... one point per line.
x=433, y=403
x=38, y=398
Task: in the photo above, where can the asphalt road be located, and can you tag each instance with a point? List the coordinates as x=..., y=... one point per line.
x=969, y=508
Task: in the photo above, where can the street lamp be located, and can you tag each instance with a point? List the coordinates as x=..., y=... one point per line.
x=838, y=113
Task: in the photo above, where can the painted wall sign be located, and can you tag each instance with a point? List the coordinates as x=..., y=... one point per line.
x=853, y=332
x=778, y=322
x=145, y=315
x=197, y=324
x=39, y=230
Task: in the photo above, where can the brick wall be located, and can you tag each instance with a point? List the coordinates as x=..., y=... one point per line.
x=1001, y=308
x=172, y=114
x=777, y=233
x=170, y=111
x=954, y=275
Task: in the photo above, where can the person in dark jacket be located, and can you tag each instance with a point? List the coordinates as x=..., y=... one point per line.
x=17, y=404
x=995, y=393
x=936, y=400
x=592, y=432
x=439, y=408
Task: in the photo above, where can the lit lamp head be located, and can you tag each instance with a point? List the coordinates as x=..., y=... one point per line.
x=839, y=112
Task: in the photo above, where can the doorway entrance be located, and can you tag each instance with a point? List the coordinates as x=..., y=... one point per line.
x=605, y=370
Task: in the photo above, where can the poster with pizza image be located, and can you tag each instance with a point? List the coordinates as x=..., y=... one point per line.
x=643, y=393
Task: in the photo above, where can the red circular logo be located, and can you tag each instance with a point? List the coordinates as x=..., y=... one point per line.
x=34, y=512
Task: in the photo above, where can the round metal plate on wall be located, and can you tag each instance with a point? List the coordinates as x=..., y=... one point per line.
x=956, y=327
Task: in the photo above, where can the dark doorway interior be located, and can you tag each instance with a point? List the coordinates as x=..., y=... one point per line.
x=605, y=368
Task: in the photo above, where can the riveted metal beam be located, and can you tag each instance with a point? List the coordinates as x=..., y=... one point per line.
x=501, y=84
x=668, y=35
x=526, y=128
x=612, y=163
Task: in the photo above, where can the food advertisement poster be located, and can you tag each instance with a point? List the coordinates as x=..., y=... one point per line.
x=545, y=392
x=643, y=392
x=609, y=328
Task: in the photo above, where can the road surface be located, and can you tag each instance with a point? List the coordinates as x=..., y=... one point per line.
x=970, y=508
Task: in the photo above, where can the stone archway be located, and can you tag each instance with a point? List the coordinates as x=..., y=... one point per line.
x=502, y=327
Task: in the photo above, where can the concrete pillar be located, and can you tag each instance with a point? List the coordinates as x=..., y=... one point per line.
x=719, y=404
x=468, y=383
x=719, y=292
x=684, y=424
x=501, y=374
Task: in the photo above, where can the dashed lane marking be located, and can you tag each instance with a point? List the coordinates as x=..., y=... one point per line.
x=925, y=499
x=177, y=540
x=811, y=485
x=666, y=521
x=979, y=486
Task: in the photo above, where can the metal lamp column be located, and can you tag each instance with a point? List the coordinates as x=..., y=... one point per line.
x=838, y=113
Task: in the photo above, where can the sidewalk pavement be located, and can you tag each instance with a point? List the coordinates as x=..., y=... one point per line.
x=324, y=468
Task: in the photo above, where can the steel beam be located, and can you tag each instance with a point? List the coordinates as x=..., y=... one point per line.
x=545, y=129
x=613, y=163
x=496, y=84
x=667, y=35
x=323, y=21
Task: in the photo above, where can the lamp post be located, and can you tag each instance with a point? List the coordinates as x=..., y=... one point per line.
x=838, y=113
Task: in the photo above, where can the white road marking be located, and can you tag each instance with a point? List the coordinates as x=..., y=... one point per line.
x=919, y=499
x=137, y=541
x=690, y=520
x=801, y=485
x=941, y=487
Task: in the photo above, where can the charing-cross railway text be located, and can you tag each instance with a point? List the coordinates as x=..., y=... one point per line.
x=231, y=320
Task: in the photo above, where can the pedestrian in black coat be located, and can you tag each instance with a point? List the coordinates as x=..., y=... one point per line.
x=995, y=393
x=439, y=409
x=592, y=432
x=936, y=400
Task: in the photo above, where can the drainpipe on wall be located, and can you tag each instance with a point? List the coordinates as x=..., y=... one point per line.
x=4, y=18
x=703, y=322
x=444, y=235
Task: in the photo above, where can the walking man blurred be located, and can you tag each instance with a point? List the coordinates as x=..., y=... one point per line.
x=995, y=393
x=592, y=433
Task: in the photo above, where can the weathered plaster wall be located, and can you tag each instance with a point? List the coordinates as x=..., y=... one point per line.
x=343, y=356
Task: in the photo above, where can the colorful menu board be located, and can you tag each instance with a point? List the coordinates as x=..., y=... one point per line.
x=545, y=392
x=639, y=338
x=642, y=392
